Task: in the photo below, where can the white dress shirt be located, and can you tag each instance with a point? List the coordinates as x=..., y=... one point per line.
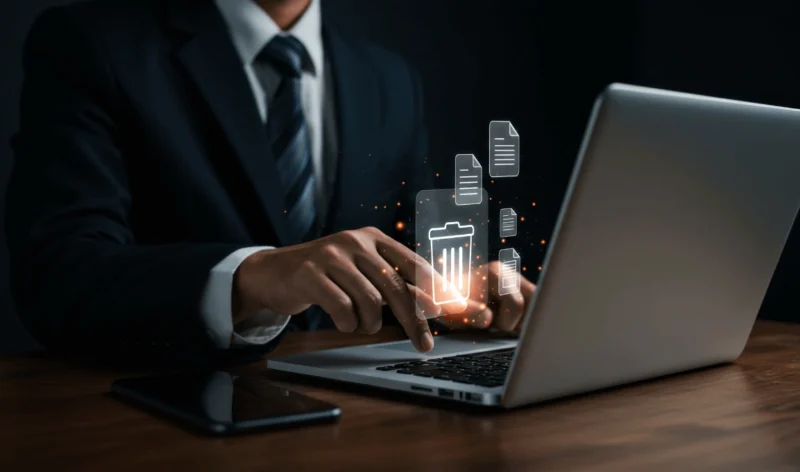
x=251, y=29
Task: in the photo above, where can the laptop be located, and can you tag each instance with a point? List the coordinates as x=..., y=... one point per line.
x=674, y=220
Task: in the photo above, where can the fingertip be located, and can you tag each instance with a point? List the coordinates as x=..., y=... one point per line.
x=435, y=310
x=457, y=307
x=429, y=307
x=427, y=342
x=526, y=286
x=486, y=318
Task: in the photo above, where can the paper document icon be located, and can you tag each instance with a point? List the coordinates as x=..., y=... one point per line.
x=508, y=223
x=503, y=149
x=451, y=258
x=508, y=281
x=469, y=180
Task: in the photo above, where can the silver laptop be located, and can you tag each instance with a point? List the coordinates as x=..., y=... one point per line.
x=673, y=223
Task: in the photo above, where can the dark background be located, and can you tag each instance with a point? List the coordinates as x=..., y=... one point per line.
x=539, y=64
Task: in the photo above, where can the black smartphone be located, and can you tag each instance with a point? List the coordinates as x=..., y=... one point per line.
x=220, y=403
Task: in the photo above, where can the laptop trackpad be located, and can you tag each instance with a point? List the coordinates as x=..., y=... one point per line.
x=448, y=345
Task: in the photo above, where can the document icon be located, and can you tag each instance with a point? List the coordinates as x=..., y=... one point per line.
x=508, y=223
x=469, y=180
x=503, y=149
x=508, y=281
x=451, y=256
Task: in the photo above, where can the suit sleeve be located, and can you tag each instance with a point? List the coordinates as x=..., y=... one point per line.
x=79, y=279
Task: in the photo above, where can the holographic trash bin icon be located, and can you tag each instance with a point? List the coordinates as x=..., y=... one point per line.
x=451, y=257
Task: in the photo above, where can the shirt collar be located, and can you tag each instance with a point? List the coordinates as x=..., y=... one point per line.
x=251, y=29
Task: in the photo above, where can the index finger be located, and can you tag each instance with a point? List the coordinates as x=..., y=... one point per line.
x=399, y=298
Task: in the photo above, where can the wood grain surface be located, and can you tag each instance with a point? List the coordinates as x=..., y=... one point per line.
x=57, y=415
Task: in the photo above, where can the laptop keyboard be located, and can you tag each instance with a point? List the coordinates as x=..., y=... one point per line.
x=487, y=369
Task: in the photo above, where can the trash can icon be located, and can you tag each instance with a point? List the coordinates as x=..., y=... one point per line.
x=451, y=257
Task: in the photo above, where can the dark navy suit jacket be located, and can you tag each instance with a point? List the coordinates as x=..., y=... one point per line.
x=141, y=162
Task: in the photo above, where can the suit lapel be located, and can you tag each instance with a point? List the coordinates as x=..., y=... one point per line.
x=359, y=114
x=212, y=63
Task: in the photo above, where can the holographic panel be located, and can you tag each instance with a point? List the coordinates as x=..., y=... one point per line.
x=454, y=240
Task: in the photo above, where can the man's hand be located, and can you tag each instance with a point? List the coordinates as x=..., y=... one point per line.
x=349, y=275
x=502, y=312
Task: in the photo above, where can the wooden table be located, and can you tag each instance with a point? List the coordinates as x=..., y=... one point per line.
x=57, y=416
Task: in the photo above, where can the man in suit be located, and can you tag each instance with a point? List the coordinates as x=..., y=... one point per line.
x=196, y=177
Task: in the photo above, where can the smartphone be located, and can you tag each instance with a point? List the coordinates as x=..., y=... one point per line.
x=220, y=403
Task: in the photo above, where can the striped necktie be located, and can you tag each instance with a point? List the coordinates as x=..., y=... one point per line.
x=288, y=133
x=289, y=137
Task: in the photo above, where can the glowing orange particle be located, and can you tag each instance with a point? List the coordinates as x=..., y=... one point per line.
x=398, y=203
x=466, y=320
x=383, y=271
x=404, y=182
x=437, y=174
x=524, y=269
x=533, y=204
x=543, y=241
x=376, y=207
x=522, y=218
x=419, y=244
x=483, y=306
x=540, y=267
x=503, y=240
x=436, y=333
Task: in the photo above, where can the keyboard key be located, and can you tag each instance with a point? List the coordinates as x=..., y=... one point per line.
x=422, y=374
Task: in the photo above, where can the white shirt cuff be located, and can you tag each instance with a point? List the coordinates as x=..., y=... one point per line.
x=215, y=307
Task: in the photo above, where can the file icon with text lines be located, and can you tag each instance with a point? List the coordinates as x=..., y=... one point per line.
x=508, y=281
x=503, y=149
x=469, y=180
x=508, y=223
